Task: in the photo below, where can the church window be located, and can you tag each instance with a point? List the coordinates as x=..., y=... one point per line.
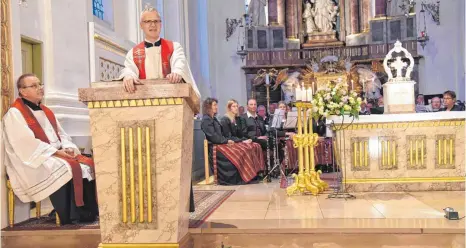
x=98, y=9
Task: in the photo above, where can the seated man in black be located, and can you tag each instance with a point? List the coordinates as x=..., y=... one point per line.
x=255, y=128
x=255, y=125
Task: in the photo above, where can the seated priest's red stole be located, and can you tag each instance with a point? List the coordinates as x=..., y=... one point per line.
x=40, y=134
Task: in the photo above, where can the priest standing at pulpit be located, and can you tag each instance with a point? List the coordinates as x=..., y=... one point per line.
x=156, y=58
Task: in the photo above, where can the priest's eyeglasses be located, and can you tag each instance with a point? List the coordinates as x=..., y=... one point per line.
x=34, y=86
x=149, y=22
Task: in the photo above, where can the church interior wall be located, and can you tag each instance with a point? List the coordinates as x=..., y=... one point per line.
x=442, y=67
x=225, y=74
x=199, y=52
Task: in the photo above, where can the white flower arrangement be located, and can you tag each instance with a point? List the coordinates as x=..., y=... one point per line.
x=336, y=99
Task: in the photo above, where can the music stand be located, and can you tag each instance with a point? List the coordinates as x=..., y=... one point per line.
x=277, y=119
x=291, y=120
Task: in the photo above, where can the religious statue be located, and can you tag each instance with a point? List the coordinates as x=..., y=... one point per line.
x=309, y=19
x=324, y=13
x=256, y=12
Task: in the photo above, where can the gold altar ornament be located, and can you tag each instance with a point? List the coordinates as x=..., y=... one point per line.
x=308, y=180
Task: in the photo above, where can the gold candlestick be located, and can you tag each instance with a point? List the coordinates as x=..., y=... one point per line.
x=313, y=142
x=311, y=184
x=302, y=183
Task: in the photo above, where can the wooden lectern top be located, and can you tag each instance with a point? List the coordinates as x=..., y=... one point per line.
x=151, y=89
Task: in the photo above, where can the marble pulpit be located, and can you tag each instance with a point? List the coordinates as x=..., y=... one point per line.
x=142, y=146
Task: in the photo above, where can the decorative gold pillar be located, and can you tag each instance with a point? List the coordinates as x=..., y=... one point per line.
x=6, y=57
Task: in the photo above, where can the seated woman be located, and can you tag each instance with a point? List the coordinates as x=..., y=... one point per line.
x=232, y=124
x=235, y=163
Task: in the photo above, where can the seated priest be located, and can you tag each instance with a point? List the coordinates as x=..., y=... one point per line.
x=42, y=161
x=234, y=160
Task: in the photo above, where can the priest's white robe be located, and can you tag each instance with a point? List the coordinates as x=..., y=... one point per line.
x=153, y=65
x=34, y=173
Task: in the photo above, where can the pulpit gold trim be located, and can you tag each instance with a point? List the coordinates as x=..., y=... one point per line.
x=131, y=176
x=140, y=178
x=123, y=177
x=149, y=177
x=137, y=181
x=135, y=103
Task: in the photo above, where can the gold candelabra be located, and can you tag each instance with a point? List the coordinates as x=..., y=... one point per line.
x=308, y=180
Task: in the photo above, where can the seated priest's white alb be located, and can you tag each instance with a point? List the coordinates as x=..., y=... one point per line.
x=155, y=57
x=41, y=160
x=399, y=90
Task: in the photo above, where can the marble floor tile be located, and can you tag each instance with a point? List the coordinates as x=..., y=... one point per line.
x=442, y=199
x=290, y=213
x=243, y=205
x=382, y=225
x=252, y=195
x=236, y=214
x=345, y=212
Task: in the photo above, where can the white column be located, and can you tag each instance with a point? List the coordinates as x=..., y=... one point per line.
x=173, y=20
x=462, y=88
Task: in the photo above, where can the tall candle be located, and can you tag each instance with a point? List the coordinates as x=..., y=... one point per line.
x=309, y=94
x=267, y=79
x=303, y=95
x=298, y=93
x=313, y=86
x=352, y=88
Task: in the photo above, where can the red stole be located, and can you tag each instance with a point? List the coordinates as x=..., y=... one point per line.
x=40, y=134
x=139, y=57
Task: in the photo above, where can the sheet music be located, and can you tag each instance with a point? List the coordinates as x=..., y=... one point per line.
x=278, y=118
x=291, y=120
